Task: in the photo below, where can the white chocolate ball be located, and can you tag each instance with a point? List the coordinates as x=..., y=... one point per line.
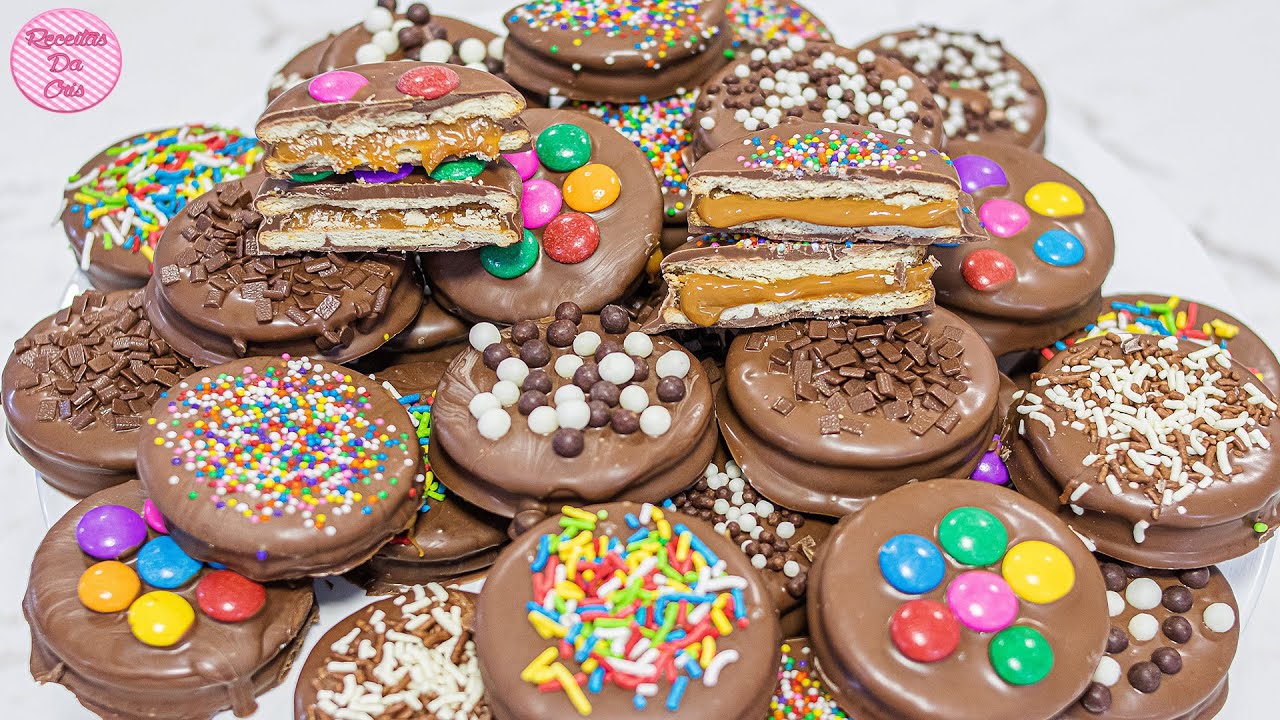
x=497, y=48
x=655, y=421
x=378, y=19
x=673, y=363
x=568, y=394
x=472, y=50
x=484, y=334
x=507, y=392
x=386, y=41
x=567, y=365
x=1143, y=593
x=573, y=415
x=1115, y=603
x=369, y=53
x=586, y=342
x=494, y=423
x=1219, y=617
x=638, y=344
x=786, y=530
x=791, y=568
x=543, y=420
x=1143, y=627
x=634, y=398
x=436, y=51
x=618, y=368
x=482, y=403
x=1108, y=672
x=513, y=369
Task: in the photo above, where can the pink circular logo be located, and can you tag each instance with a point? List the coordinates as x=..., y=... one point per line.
x=65, y=60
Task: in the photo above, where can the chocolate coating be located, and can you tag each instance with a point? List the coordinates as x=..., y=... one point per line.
x=82, y=438
x=851, y=603
x=216, y=666
x=519, y=470
x=629, y=231
x=506, y=642
x=790, y=461
x=433, y=328
x=1043, y=301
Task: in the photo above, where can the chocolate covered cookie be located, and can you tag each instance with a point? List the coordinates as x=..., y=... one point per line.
x=118, y=204
x=985, y=92
x=823, y=416
x=124, y=619
x=790, y=78
x=592, y=216
x=78, y=386
x=281, y=467
x=408, y=656
x=801, y=692
x=955, y=599
x=573, y=619
x=615, y=52
x=1158, y=451
x=434, y=331
x=214, y=299
x=1050, y=247
x=522, y=418
x=1172, y=638
x=780, y=543
x=450, y=539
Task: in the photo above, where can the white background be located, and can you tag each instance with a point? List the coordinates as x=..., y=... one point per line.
x=1175, y=92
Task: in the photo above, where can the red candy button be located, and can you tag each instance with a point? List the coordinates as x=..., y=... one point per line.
x=428, y=82
x=229, y=596
x=924, y=630
x=987, y=269
x=571, y=238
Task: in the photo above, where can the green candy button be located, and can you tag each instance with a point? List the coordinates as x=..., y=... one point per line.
x=973, y=536
x=563, y=147
x=1021, y=655
x=513, y=260
x=463, y=169
x=310, y=177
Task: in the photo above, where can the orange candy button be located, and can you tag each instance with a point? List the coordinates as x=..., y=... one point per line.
x=109, y=586
x=591, y=188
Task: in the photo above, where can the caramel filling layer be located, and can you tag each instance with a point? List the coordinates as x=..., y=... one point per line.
x=330, y=218
x=726, y=211
x=478, y=136
x=703, y=298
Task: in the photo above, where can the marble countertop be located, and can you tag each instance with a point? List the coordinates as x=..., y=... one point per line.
x=1131, y=75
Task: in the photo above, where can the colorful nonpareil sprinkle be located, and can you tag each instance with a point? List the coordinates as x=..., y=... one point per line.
x=759, y=21
x=298, y=438
x=1171, y=317
x=800, y=694
x=656, y=26
x=126, y=201
x=831, y=152
x=419, y=409
x=642, y=614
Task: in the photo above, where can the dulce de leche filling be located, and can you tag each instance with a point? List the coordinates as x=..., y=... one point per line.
x=331, y=218
x=378, y=150
x=726, y=211
x=703, y=298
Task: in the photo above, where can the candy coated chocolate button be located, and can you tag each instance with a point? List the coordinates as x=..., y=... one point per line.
x=1054, y=199
x=982, y=601
x=229, y=596
x=378, y=177
x=154, y=519
x=563, y=147
x=429, y=82
x=110, y=531
x=987, y=269
x=108, y=586
x=336, y=86
x=973, y=536
x=310, y=177
x=1021, y=655
x=1038, y=572
x=1059, y=247
x=571, y=238
x=1003, y=218
x=160, y=618
x=163, y=564
x=463, y=169
x=991, y=469
x=978, y=171
x=525, y=163
x=591, y=188
x=540, y=202
x=924, y=630
x=510, y=261
x=911, y=564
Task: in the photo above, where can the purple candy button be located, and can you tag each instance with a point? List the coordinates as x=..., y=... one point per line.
x=978, y=171
x=526, y=163
x=153, y=517
x=374, y=177
x=110, y=531
x=540, y=203
x=982, y=601
x=336, y=85
x=991, y=469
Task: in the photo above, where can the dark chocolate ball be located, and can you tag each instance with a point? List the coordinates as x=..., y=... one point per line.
x=561, y=333
x=1096, y=698
x=524, y=331
x=530, y=399
x=642, y=370
x=411, y=37
x=1194, y=579
x=614, y=319
x=1168, y=660
x=569, y=311
x=670, y=389
x=607, y=346
x=1117, y=640
x=567, y=442
x=524, y=521
x=1177, y=629
x=1113, y=576
x=1177, y=598
x=388, y=4
x=797, y=585
x=535, y=353
x=537, y=379
x=418, y=14
x=624, y=422
x=606, y=392
x=1145, y=677
x=600, y=414
x=586, y=376
x=495, y=354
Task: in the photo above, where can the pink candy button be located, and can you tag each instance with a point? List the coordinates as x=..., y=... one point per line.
x=982, y=601
x=1003, y=218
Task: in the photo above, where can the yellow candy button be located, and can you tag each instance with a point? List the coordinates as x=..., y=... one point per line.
x=160, y=618
x=1038, y=572
x=1053, y=199
x=108, y=586
x=591, y=188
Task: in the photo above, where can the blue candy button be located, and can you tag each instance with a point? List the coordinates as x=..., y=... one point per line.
x=162, y=564
x=911, y=564
x=1059, y=247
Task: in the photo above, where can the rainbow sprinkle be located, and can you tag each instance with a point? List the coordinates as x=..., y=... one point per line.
x=658, y=25
x=633, y=613
x=293, y=439
x=1144, y=318
x=150, y=178
x=660, y=130
x=757, y=22
x=833, y=152
x=800, y=695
